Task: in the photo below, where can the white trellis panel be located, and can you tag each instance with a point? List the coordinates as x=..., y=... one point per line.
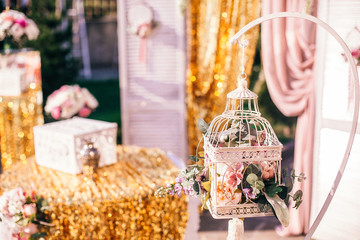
x=153, y=92
x=333, y=122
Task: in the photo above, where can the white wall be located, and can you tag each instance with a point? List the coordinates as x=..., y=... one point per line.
x=333, y=121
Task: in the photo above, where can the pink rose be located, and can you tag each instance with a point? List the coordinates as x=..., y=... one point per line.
x=64, y=88
x=56, y=113
x=355, y=53
x=268, y=171
x=29, y=209
x=233, y=178
x=84, y=112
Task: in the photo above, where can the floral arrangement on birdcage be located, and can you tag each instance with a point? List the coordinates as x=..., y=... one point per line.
x=15, y=26
x=239, y=174
x=70, y=100
x=242, y=184
x=23, y=215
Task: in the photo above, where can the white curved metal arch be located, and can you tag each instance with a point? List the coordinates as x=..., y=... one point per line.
x=355, y=78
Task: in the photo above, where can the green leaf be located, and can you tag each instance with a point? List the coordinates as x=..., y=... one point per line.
x=259, y=184
x=202, y=125
x=301, y=177
x=288, y=184
x=284, y=192
x=196, y=187
x=297, y=204
x=251, y=179
x=298, y=195
x=193, y=158
x=292, y=175
x=287, y=199
x=280, y=209
x=272, y=190
x=252, y=168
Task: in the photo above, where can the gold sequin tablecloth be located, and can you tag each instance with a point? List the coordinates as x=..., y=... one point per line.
x=119, y=204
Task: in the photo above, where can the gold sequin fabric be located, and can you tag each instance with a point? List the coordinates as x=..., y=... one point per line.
x=118, y=204
x=19, y=114
x=213, y=62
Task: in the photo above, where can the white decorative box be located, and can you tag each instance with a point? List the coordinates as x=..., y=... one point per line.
x=12, y=81
x=58, y=144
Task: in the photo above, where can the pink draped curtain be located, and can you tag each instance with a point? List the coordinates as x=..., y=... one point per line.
x=288, y=49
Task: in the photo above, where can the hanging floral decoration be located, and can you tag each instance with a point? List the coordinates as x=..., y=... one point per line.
x=23, y=216
x=142, y=24
x=14, y=25
x=243, y=183
x=144, y=29
x=69, y=101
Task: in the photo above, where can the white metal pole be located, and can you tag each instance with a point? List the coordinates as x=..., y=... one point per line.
x=83, y=39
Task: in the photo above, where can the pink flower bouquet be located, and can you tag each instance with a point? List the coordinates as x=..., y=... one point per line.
x=21, y=214
x=16, y=25
x=355, y=53
x=69, y=101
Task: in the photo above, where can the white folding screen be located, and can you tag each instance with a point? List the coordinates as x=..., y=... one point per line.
x=153, y=91
x=333, y=118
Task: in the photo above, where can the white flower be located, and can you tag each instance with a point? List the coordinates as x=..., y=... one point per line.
x=16, y=24
x=16, y=31
x=90, y=100
x=31, y=30
x=70, y=100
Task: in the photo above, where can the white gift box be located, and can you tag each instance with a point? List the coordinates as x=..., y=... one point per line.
x=58, y=144
x=12, y=81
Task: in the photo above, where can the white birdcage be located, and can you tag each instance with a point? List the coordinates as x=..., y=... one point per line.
x=235, y=140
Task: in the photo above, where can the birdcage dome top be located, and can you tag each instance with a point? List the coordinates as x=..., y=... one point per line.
x=241, y=124
x=242, y=92
x=242, y=102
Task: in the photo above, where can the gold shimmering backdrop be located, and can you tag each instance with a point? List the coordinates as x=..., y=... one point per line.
x=213, y=62
x=118, y=204
x=19, y=114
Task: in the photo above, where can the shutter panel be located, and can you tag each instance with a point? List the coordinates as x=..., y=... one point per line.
x=153, y=93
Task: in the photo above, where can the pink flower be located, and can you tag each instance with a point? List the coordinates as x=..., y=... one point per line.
x=144, y=29
x=355, y=53
x=178, y=188
x=268, y=171
x=63, y=88
x=29, y=209
x=234, y=175
x=21, y=22
x=248, y=192
x=233, y=178
x=84, y=112
x=29, y=230
x=179, y=179
x=56, y=113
